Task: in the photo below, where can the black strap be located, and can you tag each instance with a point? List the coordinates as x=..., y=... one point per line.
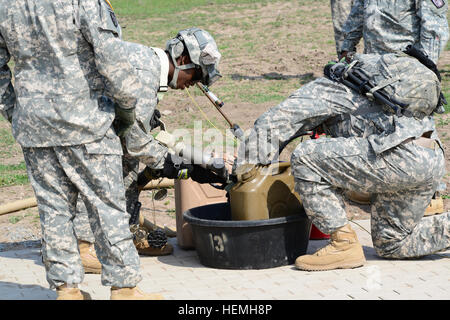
x=423, y=59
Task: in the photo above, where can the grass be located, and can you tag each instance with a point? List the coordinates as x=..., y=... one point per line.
x=171, y=213
x=8, y=146
x=158, y=8
x=272, y=88
x=14, y=174
x=442, y=122
x=14, y=219
x=6, y=138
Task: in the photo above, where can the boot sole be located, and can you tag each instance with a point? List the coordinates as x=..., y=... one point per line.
x=152, y=254
x=339, y=265
x=92, y=270
x=82, y=296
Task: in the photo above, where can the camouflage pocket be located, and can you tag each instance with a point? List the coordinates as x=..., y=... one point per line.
x=109, y=144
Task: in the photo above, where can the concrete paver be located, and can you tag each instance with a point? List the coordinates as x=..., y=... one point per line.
x=181, y=276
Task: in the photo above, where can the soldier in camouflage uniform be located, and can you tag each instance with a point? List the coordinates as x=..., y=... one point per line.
x=340, y=9
x=398, y=159
x=65, y=52
x=387, y=26
x=196, y=52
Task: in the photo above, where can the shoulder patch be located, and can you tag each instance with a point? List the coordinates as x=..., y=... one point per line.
x=437, y=3
x=114, y=19
x=112, y=14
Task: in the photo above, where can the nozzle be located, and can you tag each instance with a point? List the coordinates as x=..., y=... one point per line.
x=237, y=131
x=211, y=96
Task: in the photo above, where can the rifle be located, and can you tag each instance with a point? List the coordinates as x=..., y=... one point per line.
x=354, y=78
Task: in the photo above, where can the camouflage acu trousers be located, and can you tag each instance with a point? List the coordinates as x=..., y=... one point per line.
x=340, y=9
x=81, y=223
x=401, y=180
x=58, y=176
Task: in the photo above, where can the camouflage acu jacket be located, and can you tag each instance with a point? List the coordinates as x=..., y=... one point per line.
x=391, y=25
x=67, y=55
x=139, y=142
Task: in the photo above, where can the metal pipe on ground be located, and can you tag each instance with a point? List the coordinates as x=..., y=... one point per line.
x=31, y=202
x=18, y=205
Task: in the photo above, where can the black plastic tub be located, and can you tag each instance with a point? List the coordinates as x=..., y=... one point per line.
x=256, y=244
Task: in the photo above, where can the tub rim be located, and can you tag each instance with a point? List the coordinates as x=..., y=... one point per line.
x=239, y=223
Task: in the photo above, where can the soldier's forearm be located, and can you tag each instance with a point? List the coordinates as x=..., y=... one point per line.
x=434, y=31
x=353, y=27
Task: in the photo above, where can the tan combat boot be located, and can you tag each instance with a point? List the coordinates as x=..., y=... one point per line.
x=71, y=292
x=142, y=246
x=133, y=294
x=144, y=249
x=89, y=259
x=343, y=252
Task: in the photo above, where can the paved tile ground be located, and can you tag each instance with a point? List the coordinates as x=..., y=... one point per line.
x=181, y=276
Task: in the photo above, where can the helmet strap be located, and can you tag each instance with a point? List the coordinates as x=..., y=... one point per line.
x=173, y=82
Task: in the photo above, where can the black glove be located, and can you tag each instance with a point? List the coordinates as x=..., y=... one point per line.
x=201, y=175
x=147, y=175
x=154, y=121
x=174, y=168
x=334, y=70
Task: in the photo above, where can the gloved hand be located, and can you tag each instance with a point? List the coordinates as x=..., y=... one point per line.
x=201, y=175
x=154, y=121
x=334, y=70
x=174, y=168
x=347, y=55
x=125, y=119
x=147, y=175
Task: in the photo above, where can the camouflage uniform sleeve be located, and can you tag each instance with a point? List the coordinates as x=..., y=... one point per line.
x=353, y=28
x=99, y=26
x=8, y=97
x=433, y=26
x=141, y=145
x=303, y=110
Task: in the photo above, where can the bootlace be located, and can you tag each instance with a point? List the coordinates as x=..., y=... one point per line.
x=325, y=250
